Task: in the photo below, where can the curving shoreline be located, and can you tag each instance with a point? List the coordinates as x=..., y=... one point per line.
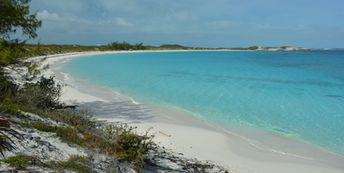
x=181, y=133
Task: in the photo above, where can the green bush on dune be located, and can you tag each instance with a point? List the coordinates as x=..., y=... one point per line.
x=129, y=146
x=43, y=94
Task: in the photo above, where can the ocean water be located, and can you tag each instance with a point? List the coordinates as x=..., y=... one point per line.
x=296, y=94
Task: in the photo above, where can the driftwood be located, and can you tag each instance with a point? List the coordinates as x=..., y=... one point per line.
x=66, y=107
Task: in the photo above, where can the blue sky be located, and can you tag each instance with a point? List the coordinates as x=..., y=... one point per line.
x=203, y=23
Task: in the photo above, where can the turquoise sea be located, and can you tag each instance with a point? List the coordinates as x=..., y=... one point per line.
x=296, y=94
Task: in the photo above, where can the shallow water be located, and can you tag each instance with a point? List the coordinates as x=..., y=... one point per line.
x=296, y=94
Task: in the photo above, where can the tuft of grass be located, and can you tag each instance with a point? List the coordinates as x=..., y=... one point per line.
x=8, y=105
x=75, y=163
x=66, y=134
x=21, y=161
x=81, y=120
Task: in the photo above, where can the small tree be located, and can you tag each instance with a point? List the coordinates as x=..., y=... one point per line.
x=43, y=94
x=14, y=16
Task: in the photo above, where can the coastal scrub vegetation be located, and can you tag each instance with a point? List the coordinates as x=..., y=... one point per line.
x=20, y=161
x=43, y=94
x=78, y=128
x=14, y=16
x=75, y=163
x=40, y=96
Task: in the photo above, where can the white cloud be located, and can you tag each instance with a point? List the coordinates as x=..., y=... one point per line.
x=122, y=22
x=113, y=22
x=46, y=15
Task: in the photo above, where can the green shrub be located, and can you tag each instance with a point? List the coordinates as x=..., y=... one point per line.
x=42, y=127
x=129, y=145
x=10, y=106
x=43, y=94
x=98, y=142
x=21, y=161
x=69, y=135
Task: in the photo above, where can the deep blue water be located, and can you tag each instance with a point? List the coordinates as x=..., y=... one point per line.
x=297, y=94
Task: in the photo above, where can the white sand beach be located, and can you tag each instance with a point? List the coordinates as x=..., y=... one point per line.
x=240, y=150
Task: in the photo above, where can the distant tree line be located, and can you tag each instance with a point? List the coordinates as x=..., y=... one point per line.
x=127, y=46
x=173, y=46
x=141, y=46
